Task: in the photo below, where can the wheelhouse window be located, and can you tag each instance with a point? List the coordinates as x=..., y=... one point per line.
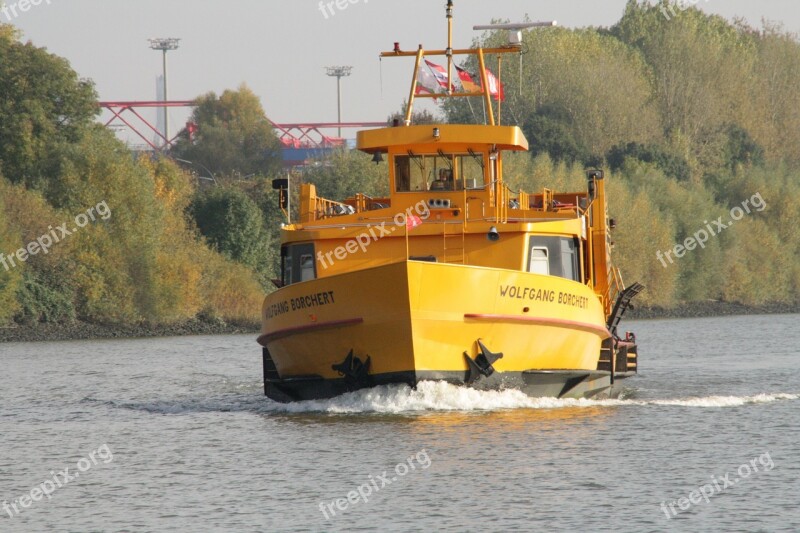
x=307, y=267
x=472, y=168
x=297, y=263
x=554, y=256
x=438, y=172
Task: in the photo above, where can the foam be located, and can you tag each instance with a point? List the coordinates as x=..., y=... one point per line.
x=429, y=396
x=440, y=396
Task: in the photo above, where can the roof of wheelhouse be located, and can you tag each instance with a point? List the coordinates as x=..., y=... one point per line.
x=500, y=137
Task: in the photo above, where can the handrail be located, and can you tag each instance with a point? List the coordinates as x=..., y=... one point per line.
x=325, y=208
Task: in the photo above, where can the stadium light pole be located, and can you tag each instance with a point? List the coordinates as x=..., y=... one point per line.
x=339, y=73
x=165, y=45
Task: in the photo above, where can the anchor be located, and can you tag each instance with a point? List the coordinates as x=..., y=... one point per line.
x=482, y=364
x=355, y=372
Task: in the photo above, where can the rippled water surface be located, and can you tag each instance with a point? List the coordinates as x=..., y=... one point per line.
x=175, y=434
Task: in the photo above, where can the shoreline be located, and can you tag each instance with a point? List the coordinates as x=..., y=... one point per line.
x=708, y=309
x=82, y=331
x=77, y=331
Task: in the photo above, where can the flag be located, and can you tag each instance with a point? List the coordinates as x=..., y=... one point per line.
x=413, y=221
x=439, y=72
x=426, y=82
x=467, y=82
x=495, y=87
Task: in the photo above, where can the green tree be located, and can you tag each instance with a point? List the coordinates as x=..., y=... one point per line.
x=233, y=225
x=582, y=93
x=344, y=172
x=234, y=136
x=702, y=69
x=44, y=107
x=418, y=117
x=9, y=277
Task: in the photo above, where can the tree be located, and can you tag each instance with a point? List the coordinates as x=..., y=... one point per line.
x=702, y=68
x=343, y=173
x=233, y=137
x=44, y=107
x=417, y=117
x=672, y=165
x=582, y=93
x=9, y=277
x=234, y=226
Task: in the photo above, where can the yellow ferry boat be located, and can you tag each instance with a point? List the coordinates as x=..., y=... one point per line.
x=451, y=277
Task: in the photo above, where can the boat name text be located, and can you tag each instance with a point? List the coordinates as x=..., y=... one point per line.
x=303, y=302
x=543, y=295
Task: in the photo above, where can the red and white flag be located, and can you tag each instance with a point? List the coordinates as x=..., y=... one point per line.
x=439, y=72
x=426, y=83
x=495, y=87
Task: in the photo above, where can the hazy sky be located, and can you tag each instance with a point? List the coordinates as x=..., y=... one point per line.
x=280, y=47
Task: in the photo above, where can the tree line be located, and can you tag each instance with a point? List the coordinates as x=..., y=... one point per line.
x=690, y=114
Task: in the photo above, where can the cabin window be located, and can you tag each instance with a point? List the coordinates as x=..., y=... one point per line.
x=539, y=263
x=297, y=263
x=554, y=256
x=569, y=259
x=440, y=172
x=472, y=170
x=307, y=267
x=415, y=173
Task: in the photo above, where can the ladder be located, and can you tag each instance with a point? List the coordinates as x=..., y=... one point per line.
x=453, y=244
x=622, y=304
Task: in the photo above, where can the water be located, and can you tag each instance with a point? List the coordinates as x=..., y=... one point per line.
x=174, y=435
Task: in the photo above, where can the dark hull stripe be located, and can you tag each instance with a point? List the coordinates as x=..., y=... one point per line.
x=288, y=332
x=557, y=322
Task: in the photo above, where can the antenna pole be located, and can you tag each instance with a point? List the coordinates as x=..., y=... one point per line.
x=410, y=108
x=487, y=95
x=449, y=47
x=499, y=85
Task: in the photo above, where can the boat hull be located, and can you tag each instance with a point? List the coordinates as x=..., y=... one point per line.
x=415, y=321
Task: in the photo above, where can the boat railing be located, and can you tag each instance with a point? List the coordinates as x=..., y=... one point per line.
x=363, y=202
x=324, y=208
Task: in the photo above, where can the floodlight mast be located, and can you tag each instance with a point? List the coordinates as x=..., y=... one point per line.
x=339, y=73
x=165, y=45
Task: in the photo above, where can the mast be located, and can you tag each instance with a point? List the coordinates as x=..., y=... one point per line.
x=514, y=46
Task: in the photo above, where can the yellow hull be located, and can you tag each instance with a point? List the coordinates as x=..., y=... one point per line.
x=419, y=320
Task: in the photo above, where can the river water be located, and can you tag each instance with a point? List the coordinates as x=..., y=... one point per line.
x=175, y=435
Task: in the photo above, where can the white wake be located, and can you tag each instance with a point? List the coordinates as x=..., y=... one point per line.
x=440, y=396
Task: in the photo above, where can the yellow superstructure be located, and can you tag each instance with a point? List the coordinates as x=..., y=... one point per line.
x=452, y=276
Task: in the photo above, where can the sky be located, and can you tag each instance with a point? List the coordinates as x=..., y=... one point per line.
x=280, y=48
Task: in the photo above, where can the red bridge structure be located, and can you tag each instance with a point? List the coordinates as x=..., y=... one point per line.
x=301, y=141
